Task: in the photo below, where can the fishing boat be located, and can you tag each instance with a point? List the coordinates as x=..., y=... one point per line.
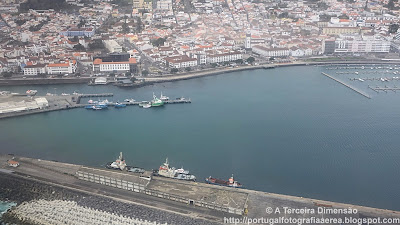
x=163, y=97
x=230, y=183
x=118, y=164
x=119, y=105
x=156, y=102
x=170, y=172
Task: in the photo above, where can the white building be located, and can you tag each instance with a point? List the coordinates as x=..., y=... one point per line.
x=62, y=68
x=164, y=4
x=100, y=66
x=224, y=57
x=100, y=80
x=271, y=52
x=180, y=61
x=42, y=102
x=112, y=46
x=363, y=45
x=34, y=69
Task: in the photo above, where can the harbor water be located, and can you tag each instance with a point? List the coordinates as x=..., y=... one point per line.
x=287, y=130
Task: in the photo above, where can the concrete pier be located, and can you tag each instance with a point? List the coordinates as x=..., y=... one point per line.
x=191, y=199
x=352, y=88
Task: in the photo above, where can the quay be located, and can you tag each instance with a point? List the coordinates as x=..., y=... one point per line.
x=79, y=96
x=352, y=88
x=12, y=105
x=385, y=89
x=189, y=199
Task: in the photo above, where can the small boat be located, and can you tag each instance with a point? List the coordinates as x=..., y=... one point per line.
x=230, y=183
x=89, y=107
x=146, y=106
x=64, y=94
x=181, y=99
x=31, y=92
x=129, y=100
x=360, y=79
x=119, y=105
x=134, y=169
x=163, y=97
x=356, y=72
x=143, y=103
x=96, y=107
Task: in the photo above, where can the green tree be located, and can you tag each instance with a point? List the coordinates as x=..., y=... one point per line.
x=158, y=42
x=6, y=74
x=79, y=48
x=213, y=65
x=174, y=70
x=139, y=26
x=145, y=73
x=96, y=44
x=239, y=61
x=250, y=59
x=188, y=69
x=128, y=74
x=393, y=28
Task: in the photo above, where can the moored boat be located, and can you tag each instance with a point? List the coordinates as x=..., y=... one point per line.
x=118, y=164
x=156, y=102
x=133, y=169
x=146, y=106
x=230, y=183
x=31, y=92
x=163, y=97
x=119, y=105
x=179, y=174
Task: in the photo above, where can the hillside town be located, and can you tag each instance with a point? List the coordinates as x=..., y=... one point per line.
x=158, y=37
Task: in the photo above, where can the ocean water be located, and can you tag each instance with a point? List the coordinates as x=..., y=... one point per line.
x=285, y=130
x=4, y=206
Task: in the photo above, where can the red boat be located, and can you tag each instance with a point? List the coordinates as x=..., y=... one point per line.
x=230, y=183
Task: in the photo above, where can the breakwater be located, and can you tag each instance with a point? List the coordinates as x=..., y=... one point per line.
x=21, y=189
x=92, y=193
x=351, y=87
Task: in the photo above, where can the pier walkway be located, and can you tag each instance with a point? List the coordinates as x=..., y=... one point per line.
x=352, y=88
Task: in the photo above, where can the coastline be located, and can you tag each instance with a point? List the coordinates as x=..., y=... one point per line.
x=191, y=75
x=183, y=76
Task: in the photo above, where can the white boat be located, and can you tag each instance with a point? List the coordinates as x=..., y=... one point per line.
x=146, y=106
x=163, y=97
x=129, y=100
x=356, y=72
x=49, y=94
x=143, y=103
x=64, y=94
x=360, y=79
x=31, y=92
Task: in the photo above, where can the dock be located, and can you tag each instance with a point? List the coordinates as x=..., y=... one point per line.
x=189, y=199
x=79, y=96
x=385, y=89
x=352, y=88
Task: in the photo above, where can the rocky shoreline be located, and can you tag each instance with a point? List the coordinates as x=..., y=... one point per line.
x=18, y=189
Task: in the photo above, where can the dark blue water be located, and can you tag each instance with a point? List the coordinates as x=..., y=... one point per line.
x=286, y=130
